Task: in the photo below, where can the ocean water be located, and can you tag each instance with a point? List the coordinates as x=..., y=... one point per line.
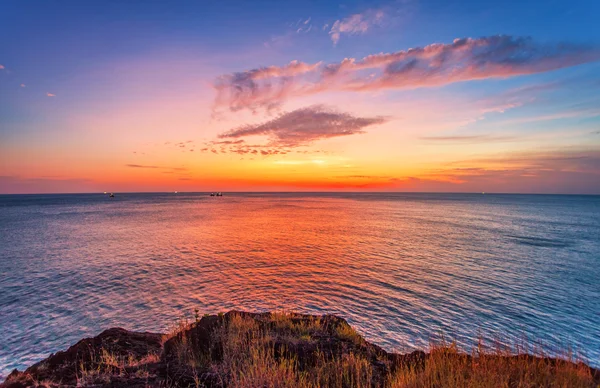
x=401, y=268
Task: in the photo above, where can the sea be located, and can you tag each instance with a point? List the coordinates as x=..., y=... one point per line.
x=405, y=269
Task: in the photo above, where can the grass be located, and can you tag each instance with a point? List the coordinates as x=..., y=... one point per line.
x=346, y=332
x=284, y=349
x=250, y=358
x=446, y=366
x=106, y=367
x=251, y=355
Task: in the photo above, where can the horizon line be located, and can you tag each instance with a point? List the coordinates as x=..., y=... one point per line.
x=300, y=192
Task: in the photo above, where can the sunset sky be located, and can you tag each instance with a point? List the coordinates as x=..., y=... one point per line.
x=411, y=95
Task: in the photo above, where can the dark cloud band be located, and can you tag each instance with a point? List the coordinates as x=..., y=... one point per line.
x=306, y=125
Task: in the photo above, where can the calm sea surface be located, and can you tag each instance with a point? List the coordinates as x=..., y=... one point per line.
x=401, y=268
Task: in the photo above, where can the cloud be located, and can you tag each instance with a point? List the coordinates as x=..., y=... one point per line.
x=227, y=142
x=140, y=166
x=182, y=146
x=180, y=169
x=569, y=113
x=22, y=85
x=50, y=95
x=356, y=24
x=468, y=139
x=434, y=65
x=306, y=125
x=252, y=89
x=241, y=148
x=574, y=171
x=573, y=160
x=2, y=67
x=364, y=176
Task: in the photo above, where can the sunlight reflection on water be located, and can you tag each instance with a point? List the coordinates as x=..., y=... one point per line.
x=399, y=267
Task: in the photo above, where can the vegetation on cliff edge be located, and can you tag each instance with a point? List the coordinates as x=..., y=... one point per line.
x=240, y=349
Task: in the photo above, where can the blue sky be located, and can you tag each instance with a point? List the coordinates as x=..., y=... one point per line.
x=86, y=88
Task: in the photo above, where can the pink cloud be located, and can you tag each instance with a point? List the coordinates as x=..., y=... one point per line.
x=553, y=171
x=433, y=65
x=238, y=89
x=356, y=24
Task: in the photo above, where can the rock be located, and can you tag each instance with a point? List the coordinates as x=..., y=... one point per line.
x=201, y=354
x=65, y=368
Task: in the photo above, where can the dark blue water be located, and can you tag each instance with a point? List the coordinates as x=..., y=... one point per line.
x=400, y=267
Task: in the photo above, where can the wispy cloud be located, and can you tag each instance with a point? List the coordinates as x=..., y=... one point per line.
x=181, y=146
x=306, y=125
x=140, y=166
x=438, y=64
x=574, y=171
x=2, y=67
x=468, y=139
x=143, y=166
x=552, y=171
x=573, y=160
x=303, y=26
x=227, y=142
x=567, y=114
x=50, y=95
x=251, y=89
x=22, y=85
x=356, y=24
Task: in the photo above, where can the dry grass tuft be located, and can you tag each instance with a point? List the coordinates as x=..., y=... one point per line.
x=106, y=367
x=346, y=332
x=254, y=354
x=446, y=366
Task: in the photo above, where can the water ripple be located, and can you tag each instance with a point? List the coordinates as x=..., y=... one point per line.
x=400, y=267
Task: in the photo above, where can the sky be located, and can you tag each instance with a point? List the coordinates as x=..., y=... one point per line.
x=408, y=95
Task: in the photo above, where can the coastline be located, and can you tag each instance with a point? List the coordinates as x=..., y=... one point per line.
x=285, y=349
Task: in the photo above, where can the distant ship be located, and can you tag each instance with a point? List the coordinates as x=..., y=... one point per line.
x=216, y=195
x=111, y=195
